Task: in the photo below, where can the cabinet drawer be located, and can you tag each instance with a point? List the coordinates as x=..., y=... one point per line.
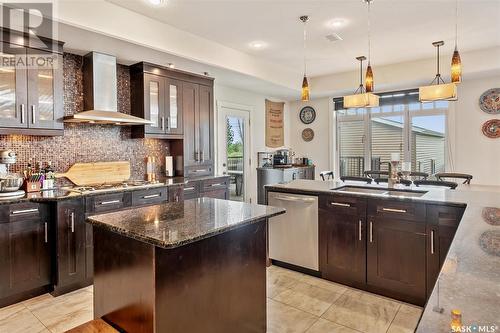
x=191, y=190
x=444, y=216
x=149, y=196
x=217, y=194
x=342, y=204
x=391, y=209
x=107, y=202
x=24, y=211
x=221, y=183
x=198, y=171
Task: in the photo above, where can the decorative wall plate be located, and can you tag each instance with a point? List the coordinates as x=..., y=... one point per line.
x=307, y=134
x=307, y=115
x=491, y=128
x=491, y=215
x=489, y=101
x=490, y=242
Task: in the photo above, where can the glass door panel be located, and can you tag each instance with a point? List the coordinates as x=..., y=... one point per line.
x=174, y=119
x=235, y=151
x=352, y=147
x=173, y=106
x=387, y=137
x=13, y=91
x=7, y=93
x=428, y=146
x=154, y=103
x=45, y=86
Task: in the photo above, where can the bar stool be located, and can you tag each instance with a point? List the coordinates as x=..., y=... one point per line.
x=451, y=185
x=326, y=175
x=441, y=175
x=356, y=179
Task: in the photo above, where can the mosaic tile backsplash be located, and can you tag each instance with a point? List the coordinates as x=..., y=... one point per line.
x=84, y=142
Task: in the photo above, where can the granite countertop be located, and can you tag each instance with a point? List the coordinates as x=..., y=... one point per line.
x=470, y=278
x=63, y=193
x=171, y=225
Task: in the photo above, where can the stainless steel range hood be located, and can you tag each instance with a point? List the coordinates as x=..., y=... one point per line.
x=100, y=94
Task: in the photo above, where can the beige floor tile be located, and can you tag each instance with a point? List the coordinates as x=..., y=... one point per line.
x=363, y=312
x=39, y=301
x=18, y=319
x=279, y=280
x=64, y=312
x=406, y=319
x=309, y=298
x=325, y=284
x=326, y=326
x=282, y=318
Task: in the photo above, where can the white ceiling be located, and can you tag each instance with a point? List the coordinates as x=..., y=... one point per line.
x=402, y=30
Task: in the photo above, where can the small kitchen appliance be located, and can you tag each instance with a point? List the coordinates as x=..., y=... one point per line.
x=10, y=182
x=169, y=166
x=282, y=158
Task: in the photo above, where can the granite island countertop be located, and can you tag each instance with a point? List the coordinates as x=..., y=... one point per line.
x=172, y=225
x=470, y=277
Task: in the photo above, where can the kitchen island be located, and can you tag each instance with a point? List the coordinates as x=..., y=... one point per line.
x=192, y=266
x=470, y=274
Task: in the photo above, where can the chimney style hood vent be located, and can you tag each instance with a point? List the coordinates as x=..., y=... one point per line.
x=100, y=94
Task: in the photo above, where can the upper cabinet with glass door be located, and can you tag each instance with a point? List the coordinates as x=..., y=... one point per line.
x=31, y=89
x=158, y=98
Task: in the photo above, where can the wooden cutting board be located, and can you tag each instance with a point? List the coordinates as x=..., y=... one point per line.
x=84, y=174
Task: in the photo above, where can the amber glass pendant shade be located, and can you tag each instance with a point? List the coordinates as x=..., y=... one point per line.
x=305, y=89
x=456, y=67
x=369, y=79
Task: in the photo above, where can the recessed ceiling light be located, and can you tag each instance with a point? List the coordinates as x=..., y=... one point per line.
x=156, y=2
x=337, y=23
x=258, y=45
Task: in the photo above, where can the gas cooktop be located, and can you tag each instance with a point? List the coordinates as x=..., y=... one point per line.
x=113, y=187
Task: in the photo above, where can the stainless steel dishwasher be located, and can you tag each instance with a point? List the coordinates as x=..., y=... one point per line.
x=293, y=236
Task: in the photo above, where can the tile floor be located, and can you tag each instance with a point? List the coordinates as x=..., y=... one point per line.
x=296, y=303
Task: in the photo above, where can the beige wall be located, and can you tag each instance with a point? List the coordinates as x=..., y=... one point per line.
x=318, y=149
x=257, y=125
x=471, y=151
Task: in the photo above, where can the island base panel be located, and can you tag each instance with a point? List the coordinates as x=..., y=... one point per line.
x=214, y=285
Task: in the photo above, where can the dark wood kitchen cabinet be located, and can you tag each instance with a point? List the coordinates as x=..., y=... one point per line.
x=71, y=235
x=25, y=243
x=396, y=249
x=342, y=239
x=216, y=187
x=442, y=223
x=34, y=95
x=157, y=97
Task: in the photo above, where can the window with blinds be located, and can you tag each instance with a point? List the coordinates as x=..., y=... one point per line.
x=366, y=137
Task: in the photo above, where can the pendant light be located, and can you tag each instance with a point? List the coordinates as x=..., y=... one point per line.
x=369, y=72
x=305, y=83
x=438, y=90
x=361, y=98
x=456, y=62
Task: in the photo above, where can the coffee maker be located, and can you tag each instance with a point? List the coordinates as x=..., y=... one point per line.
x=282, y=158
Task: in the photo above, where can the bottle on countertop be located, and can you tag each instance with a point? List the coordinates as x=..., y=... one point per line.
x=49, y=177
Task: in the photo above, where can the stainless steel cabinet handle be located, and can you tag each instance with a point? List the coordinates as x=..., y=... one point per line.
x=295, y=199
x=371, y=232
x=176, y=199
x=162, y=123
x=72, y=216
x=202, y=158
x=110, y=202
x=24, y=211
x=432, y=241
x=199, y=170
x=188, y=188
x=394, y=210
x=45, y=232
x=218, y=184
x=33, y=114
x=168, y=123
x=196, y=156
x=151, y=196
x=359, y=229
x=23, y=114
x=340, y=204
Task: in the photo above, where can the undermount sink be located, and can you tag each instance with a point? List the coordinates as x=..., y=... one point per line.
x=381, y=191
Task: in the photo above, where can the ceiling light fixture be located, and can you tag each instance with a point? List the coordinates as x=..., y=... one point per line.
x=156, y=2
x=305, y=83
x=369, y=73
x=456, y=62
x=438, y=90
x=336, y=23
x=171, y=65
x=258, y=45
x=361, y=98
